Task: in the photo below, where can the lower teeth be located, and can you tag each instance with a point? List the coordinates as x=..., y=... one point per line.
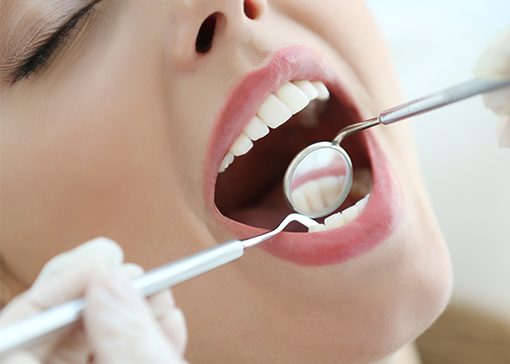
x=341, y=218
x=319, y=193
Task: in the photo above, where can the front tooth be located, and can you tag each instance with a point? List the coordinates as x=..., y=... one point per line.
x=241, y=146
x=330, y=187
x=312, y=190
x=293, y=97
x=227, y=161
x=299, y=201
x=322, y=89
x=274, y=112
x=317, y=228
x=308, y=89
x=350, y=214
x=256, y=129
x=335, y=221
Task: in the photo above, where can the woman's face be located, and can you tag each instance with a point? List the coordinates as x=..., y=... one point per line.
x=119, y=125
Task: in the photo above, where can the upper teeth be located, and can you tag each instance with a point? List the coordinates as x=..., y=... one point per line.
x=278, y=107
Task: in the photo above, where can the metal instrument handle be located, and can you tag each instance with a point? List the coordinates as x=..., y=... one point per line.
x=442, y=98
x=30, y=329
x=181, y=270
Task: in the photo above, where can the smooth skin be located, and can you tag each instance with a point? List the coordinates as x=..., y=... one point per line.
x=107, y=140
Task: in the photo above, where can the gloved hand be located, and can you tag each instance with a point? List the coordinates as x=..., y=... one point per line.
x=494, y=64
x=119, y=325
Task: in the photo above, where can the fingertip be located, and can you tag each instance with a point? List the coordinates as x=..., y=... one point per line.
x=161, y=303
x=181, y=323
x=494, y=62
x=102, y=247
x=174, y=326
x=132, y=270
x=112, y=282
x=99, y=253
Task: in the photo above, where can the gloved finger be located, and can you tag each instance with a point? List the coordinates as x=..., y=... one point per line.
x=494, y=64
x=131, y=270
x=498, y=101
x=120, y=326
x=504, y=132
x=170, y=319
x=101, y=251
x=59, y=285
x=74, y=347
x=56, y=286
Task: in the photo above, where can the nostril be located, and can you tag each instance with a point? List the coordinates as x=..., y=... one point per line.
x=251, y=10
x=205, y=34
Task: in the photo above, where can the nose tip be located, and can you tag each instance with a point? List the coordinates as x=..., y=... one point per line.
x=253, y=9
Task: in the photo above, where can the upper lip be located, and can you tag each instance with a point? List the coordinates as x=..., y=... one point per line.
x=371, y=227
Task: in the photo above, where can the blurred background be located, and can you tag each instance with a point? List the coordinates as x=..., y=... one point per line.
x=435, y=44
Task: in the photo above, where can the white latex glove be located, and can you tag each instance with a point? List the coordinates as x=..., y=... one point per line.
x=494, y=64
x=119, y=326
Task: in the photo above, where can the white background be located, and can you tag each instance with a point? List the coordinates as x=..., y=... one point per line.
x=435, y=44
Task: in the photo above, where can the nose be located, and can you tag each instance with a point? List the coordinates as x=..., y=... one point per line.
x=203, y=22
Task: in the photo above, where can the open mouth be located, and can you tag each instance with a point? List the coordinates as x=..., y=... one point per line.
x=288, y=106
x=299, y=113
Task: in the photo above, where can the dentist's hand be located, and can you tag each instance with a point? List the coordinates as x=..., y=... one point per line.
x=119, y=325
x=494, y=64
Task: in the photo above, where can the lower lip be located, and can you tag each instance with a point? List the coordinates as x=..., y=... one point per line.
x=375, y=223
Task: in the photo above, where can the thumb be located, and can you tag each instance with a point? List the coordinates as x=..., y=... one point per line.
x=120, y=327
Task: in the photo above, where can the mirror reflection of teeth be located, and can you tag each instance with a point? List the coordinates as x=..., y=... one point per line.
x=278, y=108
x=317, y=194
x=341, y=218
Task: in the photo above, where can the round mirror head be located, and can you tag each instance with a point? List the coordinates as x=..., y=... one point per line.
x=318, y=179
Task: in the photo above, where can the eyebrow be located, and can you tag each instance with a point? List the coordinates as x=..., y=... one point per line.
x=26, y=25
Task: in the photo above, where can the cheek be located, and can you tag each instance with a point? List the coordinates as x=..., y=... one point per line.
x=74, y=166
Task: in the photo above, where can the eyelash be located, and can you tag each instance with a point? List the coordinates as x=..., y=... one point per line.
x=41, y=55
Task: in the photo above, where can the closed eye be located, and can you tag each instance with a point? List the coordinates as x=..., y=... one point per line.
x=39, y=58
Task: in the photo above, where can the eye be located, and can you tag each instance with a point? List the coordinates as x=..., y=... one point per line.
x=41, y=55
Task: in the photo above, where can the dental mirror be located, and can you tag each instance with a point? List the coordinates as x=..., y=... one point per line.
x=318, y=180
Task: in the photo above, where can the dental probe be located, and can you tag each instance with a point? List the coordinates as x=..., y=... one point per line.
x=425, y=104
x=32, y=328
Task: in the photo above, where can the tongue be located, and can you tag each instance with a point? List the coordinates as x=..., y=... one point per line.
x=267, y=213
x=272, y=209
